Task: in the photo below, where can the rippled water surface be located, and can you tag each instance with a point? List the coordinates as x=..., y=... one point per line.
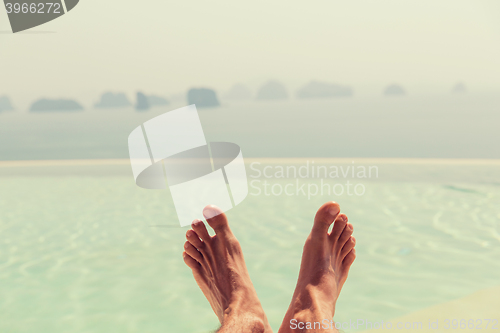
x=88, y=251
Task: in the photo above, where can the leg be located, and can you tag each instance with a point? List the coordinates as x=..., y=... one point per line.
x=219, y=269
x=326, y=260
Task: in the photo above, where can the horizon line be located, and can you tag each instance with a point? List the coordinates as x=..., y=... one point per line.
x=270, y=160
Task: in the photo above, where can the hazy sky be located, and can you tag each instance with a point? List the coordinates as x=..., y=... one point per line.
x=165, y=47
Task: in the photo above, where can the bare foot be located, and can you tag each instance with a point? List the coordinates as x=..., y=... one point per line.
x=219, y=269
x=326, y=260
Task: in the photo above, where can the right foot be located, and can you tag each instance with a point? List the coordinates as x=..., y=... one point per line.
x=326, y=260
x=219, y=269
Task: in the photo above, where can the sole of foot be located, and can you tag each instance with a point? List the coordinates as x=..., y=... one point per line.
x=326, y=260
x=220, y=271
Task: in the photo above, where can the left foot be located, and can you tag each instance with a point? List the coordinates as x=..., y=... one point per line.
x=219, y=269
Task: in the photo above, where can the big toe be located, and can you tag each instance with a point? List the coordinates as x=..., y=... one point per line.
x=325, y=217
x=216, y=219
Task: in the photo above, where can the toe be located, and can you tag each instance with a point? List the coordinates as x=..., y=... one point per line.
x=193, y=264
x=193, y=252
x=338, y=227
x=348, y=247
x=348, y=260
x=216, y=219
x=344, y=236
x=200, y=229
x=325, y=217
x=193, y=238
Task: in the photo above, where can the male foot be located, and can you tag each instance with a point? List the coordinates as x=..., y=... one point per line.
x=219, y=269
x=326, y=260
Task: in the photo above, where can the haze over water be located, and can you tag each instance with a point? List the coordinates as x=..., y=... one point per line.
x=436, y=126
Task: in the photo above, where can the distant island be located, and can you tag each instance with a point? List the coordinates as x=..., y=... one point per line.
x=5, y=104
x=43, y=105
x=142, y=102
x=202, y=97
x=112, y=100
x=394, y=90
x=316, y=89
x=459, y=88
x=238, y=92
x=272, y=90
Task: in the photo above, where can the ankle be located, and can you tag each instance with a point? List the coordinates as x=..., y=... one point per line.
x=243, y=323
x=311, y=302
x=256, y=325
x=244, y=302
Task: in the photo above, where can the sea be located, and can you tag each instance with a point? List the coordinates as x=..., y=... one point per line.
x=84, y=249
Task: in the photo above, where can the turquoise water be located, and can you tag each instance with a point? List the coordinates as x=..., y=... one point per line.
x=82, y=249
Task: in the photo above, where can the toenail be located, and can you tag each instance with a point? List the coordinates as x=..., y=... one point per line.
x=186, y=245
x=334, y=210
x=211, y=211
x=196, y=222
